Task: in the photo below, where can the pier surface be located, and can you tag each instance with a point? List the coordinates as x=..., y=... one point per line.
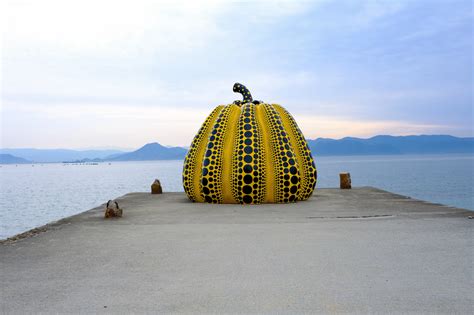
x=343, y=251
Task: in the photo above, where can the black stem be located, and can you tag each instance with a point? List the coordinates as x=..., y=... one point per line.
x=240, y=88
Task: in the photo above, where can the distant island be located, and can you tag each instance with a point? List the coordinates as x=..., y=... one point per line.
x=384, y=145
x=378, y=145
x=59, y=155
x=11, y=159
x=153, y=151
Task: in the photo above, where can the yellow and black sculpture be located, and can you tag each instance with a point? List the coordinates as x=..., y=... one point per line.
x=249, y=152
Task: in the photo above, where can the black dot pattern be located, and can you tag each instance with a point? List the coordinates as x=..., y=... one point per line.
x=286, y=169
x=293, y=179
x=308, y=170
x=240, y=88
x=190, y=167
x=211, y=183
x=247, y=178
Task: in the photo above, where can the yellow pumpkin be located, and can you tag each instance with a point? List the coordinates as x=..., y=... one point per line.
x=249, y=152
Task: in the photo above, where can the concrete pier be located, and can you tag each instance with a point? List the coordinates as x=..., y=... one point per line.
x=343, y=251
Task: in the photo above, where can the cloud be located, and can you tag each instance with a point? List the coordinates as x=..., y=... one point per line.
x=374, y=10
x=86, y=125
x=121, y=52
x=353, y=67
x=339, y=127
x=89, y=125
x=124, y=29
x=115, y=28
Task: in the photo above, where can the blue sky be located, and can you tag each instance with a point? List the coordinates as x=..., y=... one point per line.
x=83, y=74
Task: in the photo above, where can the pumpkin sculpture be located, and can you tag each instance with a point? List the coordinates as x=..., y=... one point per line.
x=249, y=152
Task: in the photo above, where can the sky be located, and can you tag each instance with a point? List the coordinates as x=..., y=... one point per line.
x=119, y=74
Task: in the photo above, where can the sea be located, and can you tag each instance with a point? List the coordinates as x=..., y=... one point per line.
x=32, y=195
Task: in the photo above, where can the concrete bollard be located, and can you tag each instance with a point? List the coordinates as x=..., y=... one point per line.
x=156, y=187
x=345, y=180
x=112, y=210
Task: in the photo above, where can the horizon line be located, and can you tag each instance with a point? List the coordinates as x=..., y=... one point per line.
x=104, y=148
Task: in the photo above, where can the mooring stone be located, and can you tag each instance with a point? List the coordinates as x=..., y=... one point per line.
x=112, y=209
x=345, y=180
x=156, y=187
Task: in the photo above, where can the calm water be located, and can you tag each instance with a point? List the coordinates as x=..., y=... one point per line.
x=35, y=195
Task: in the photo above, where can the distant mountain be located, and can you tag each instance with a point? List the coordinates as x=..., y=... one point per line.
x=58, y=155
x=423, y=144
x=113, y=156
x=11, y=159
x=378, y=145
x=152, y=151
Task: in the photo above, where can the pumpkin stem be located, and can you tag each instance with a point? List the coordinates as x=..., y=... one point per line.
x=240, y=88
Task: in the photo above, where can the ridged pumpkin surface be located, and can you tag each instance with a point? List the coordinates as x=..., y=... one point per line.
x=249, y=153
